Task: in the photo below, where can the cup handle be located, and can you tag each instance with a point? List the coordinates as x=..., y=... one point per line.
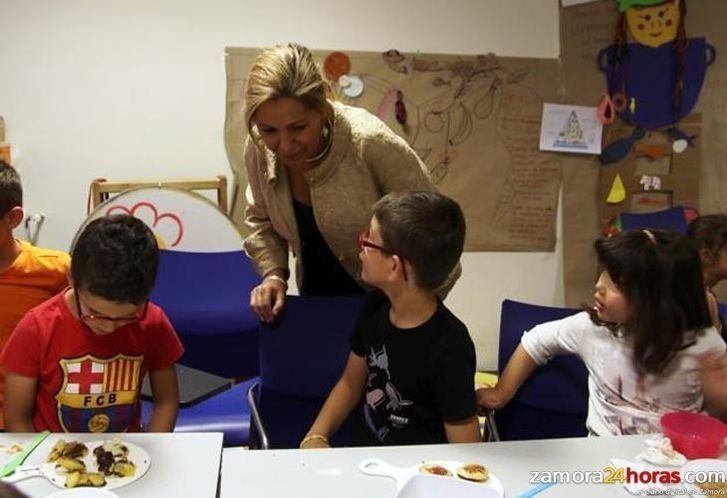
x=377, y=467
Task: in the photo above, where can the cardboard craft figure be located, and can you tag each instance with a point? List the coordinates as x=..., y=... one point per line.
x=655, y=81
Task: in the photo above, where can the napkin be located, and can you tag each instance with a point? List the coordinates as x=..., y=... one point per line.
x=640, y=487
x=660, y=452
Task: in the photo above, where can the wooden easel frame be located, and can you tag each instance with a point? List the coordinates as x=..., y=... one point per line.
x=102, y=189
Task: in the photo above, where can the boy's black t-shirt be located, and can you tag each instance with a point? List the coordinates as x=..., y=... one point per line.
x=417, y=378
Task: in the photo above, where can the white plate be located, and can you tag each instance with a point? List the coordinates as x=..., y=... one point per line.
x=137, y=455
x=410, y=483
x=703, y=465
x=84, y=493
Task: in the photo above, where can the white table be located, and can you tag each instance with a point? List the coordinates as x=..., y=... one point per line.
x=334, y=472
x=182, y=464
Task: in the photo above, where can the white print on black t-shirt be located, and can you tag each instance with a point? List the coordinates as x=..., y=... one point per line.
x=382, y=398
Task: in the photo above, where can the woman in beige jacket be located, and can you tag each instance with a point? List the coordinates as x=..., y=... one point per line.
x=315, y=168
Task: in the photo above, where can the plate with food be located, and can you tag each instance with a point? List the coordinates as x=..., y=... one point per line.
x=438, y=478
x=707, y=476
x=84, y=493
x=106, y=464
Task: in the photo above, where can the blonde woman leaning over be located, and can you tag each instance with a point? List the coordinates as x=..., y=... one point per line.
x=315, y=168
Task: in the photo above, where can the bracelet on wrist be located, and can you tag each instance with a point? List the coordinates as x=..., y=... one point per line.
x=314, y=437
x=277, y=279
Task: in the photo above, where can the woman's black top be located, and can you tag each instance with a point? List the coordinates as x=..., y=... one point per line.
x=323, y=273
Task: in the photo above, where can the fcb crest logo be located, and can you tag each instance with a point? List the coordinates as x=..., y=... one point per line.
x=98, y=395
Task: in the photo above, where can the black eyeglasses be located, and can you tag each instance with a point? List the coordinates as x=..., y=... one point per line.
x=96, y=317
x=363, y=241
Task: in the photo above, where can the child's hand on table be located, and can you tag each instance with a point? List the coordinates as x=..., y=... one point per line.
x=314, y=441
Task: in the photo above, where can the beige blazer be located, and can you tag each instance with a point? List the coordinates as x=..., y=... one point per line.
x=366, y=161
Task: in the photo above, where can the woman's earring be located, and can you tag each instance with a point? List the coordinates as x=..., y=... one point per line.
x=326, y=132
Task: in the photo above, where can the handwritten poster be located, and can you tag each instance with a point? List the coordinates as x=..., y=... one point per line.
x=473, y=119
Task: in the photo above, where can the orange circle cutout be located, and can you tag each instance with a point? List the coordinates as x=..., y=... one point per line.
x=336, y=65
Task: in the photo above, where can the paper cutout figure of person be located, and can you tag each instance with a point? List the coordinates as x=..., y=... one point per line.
x=654, y=81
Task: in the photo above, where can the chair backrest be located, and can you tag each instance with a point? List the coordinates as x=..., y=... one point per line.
x=553, y=402
x=723, y=318
x=303, y=352
x=205, y=294
x=668, y=219
x=302, y=355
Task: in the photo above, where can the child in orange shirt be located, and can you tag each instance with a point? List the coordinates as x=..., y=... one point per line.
x=28, y=275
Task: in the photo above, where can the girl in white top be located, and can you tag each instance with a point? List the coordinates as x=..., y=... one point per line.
x=642, y=341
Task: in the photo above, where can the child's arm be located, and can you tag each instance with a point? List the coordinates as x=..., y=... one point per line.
x=19, y=402
x=463, y=431
x=165, y=402
x=713, y=373
x=714, y=311
x=518, y=369
x=343, y=398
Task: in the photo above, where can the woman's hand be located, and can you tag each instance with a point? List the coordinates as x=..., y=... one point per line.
x=267, y=299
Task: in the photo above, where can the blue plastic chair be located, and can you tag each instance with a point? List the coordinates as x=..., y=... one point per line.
x=205, y=294
x=226, y=412
x=553, y=402
x=669, y=219
x=302, y=355
x=723, y=316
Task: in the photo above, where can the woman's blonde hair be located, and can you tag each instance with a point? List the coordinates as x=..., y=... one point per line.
x=286, y=71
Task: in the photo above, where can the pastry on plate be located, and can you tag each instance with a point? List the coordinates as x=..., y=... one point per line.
x=88, y=479
x=435, y=469
x=71, y=449
x=473, y=472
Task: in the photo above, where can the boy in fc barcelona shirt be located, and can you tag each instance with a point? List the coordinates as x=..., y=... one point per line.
x=76, y=362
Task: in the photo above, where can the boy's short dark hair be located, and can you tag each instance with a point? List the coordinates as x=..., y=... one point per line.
x=115, y=258
x=425, y=228
x=709, y=232
x=11, y=191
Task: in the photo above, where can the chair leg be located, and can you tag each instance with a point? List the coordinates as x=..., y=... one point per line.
x=490, y=433
x=258, y=436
